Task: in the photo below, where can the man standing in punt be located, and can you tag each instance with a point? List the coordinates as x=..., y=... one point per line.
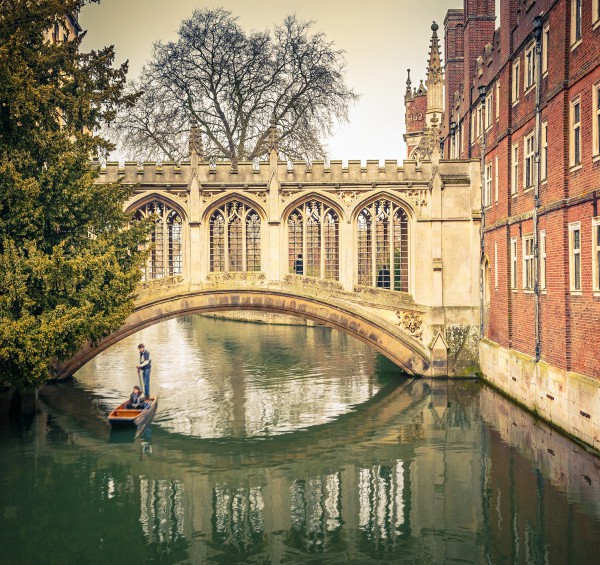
x=145, y=366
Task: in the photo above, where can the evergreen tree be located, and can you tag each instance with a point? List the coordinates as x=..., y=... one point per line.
x=68, y=268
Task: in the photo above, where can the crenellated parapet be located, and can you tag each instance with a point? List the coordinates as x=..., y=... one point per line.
x=371, y=173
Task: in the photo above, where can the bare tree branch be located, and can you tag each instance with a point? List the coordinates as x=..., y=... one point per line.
x=233, y=84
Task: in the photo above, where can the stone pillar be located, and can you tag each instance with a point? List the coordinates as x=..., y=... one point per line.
x=272, y=247
x=347, y=254
x=196, y=260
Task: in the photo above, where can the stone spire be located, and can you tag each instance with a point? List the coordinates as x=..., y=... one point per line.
x=273, y=135
x=408, y=94
x=195, y=145
x=435, y=80
x=434, y=64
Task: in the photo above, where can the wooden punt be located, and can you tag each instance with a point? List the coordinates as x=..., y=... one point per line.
x=123, y=417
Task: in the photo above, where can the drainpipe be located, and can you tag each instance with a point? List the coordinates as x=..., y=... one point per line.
x=537, y=30
x=481, y=234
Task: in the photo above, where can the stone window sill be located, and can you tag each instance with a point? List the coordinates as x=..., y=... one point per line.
x=574, y=168
x=576, y=293
x=596, y=158
x=576, y=44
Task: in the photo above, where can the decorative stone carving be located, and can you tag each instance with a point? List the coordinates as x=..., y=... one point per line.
x=159, y=284
x=289, y=194
x=412, y=323
x=208, y=196
x=260, y=195
x=348, y=196
x=419, y=197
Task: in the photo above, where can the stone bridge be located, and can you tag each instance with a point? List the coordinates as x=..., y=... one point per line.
x=388, y=254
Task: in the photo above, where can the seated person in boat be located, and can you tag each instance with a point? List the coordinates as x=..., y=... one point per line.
x=136, y=400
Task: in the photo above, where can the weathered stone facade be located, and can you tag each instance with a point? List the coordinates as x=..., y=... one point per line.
x=436, y=197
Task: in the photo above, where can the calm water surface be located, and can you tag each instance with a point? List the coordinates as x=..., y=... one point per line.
x=281, y=444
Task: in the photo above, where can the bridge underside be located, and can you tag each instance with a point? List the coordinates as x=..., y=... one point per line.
x=386, y=338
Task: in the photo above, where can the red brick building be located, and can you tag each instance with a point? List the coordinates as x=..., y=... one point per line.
x=522, y=95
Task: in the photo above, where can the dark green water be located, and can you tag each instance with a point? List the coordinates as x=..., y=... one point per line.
x=276, y=444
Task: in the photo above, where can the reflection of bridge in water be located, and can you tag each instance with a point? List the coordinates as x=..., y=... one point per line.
x=415, y=471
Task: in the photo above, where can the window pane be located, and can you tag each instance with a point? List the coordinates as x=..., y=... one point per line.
x=313, y=240
x=365, y=275
x=383, y=246
x=330, y=235
x=252, y=241
x=295, y=259
x=175, y=244
x=217, y=242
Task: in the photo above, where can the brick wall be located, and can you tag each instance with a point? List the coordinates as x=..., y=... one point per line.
x=569, y=320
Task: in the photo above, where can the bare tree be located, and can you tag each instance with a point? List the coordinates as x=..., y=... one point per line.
x=234, y=84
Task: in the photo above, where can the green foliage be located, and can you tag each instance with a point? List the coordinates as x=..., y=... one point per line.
x=68, y=269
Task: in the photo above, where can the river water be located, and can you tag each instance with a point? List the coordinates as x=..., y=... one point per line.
x=287, y=444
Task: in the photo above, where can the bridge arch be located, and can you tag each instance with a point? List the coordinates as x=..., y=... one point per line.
x=140, y=200
x=382, y=195
x=314, y=195
x=233, y=196
x=383, y=336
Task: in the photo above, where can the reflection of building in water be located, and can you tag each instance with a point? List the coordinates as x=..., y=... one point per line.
x=461, y=490
x=315, y=509
x=162, y=510
x=381, y=492
x=237, y=514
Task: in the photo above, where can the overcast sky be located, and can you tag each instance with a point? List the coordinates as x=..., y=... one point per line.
x=382, y=38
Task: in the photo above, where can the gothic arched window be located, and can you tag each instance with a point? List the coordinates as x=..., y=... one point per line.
x=383, y=246
x=234, y=238
x=166, y=255
x=313, y=240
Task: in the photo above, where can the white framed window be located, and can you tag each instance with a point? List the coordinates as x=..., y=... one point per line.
x=596, y=254
x=516, y=75
x=513, y=263
x=576, y=22
x=487, y=192
x=575, y=256
x=515, y=169
x=528, y=271
x=575, y=119
x=529, y=66
x=595, y=12
x=543, y=259
x=496, y=179
x=489, y=110
x=544, y=153
x=528, y=160
x=479, y=120
x=545, y=46
x=596, y=119
x=473, y=119
x=497, y=99
x=496, y=265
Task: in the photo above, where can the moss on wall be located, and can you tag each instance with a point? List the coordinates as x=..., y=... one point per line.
x=463, y=350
